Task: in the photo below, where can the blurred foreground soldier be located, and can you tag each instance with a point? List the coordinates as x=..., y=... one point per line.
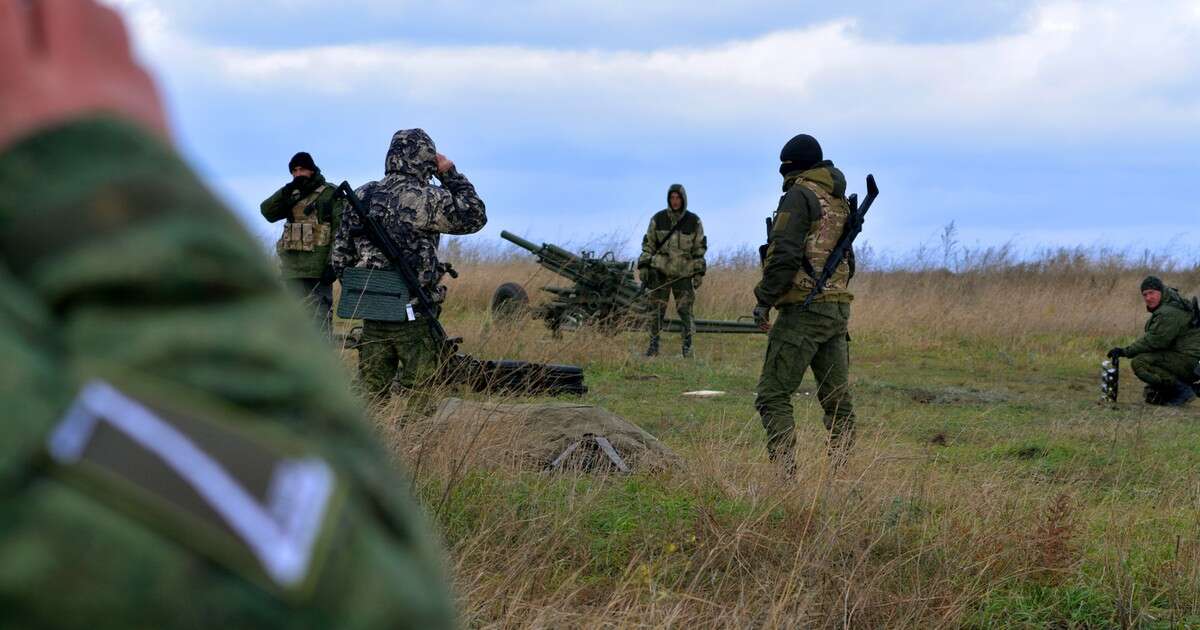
x=170, y=455
x=1167, y=357
x=307, y=205
x=395, y=345
x=806, y=227
x=672, y=263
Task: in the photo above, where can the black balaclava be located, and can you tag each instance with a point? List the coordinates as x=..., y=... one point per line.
x=800, y=154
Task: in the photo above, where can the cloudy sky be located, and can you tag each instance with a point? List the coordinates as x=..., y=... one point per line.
x=1040, y=123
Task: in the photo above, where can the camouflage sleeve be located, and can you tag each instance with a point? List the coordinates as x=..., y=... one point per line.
x=1161, y=332
x=785, y=248
x=699, y=249
x=647, y=245
x=143, y=274
x=456, y=208
x=276, y=206
x=344, y=252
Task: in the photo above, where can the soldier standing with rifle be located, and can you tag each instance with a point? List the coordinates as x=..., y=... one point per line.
x=312, y=216
x=672, y=262
x=806, y=273
x=395, y=344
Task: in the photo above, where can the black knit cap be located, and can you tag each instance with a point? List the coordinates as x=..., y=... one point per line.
x=1152, y=282
x=303, y=160
x=800, y=154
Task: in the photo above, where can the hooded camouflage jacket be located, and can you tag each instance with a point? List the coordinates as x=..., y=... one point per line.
x=807, y=224
x=414, y=212
x=1169, y=329
x=306, y=255
x=679, y=253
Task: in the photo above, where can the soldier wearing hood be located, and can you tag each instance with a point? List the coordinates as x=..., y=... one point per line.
x=415, y=213
x=807, y=225
x=1167, y=356
x=312, y=215
x=672, y=262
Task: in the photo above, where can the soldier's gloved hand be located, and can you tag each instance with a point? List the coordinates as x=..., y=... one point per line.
x=762, y=317
x=1116, y=352
x=697, y=280
x=65, y=59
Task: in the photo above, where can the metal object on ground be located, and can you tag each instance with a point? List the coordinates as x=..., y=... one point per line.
x=1110, y=380
x=594, y=443
x=604, y=292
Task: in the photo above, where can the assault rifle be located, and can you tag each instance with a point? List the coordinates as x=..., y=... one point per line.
x=458, y=367
x=854, y=225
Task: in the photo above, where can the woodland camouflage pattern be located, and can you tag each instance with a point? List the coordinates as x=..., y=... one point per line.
x=412, y=211
x=97, y=211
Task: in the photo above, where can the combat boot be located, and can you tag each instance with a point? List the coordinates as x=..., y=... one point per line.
x=687, y=347
x=1182, y=395
x=652, y=349
x=1155, y=396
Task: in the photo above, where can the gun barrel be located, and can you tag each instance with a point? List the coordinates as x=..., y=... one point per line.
x=519, y=242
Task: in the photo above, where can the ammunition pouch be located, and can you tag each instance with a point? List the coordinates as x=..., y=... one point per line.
x=375, y=294
x=304, y=237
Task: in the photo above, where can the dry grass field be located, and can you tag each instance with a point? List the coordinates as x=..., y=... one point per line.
x=988, y=489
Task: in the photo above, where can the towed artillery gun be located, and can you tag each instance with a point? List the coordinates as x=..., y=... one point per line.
x=604, y=292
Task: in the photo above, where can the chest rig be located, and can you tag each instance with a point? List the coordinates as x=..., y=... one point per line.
x=304, y=231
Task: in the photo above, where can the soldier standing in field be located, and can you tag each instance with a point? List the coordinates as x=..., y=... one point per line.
x=394, y=345
x=672, y=263
x=1167, y=356
x=807, y=225
x=178, y=449
x=312, y=217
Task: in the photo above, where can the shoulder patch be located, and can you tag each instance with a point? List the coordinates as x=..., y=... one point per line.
x=211, y=485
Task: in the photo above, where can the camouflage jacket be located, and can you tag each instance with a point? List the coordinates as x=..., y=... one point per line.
x=807, y=224
x=305, y=256
x=1169, y=329
x=413, y=212
x=157, y=384
x=679, y=253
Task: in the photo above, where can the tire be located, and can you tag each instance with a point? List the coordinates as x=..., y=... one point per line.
x=509, y=302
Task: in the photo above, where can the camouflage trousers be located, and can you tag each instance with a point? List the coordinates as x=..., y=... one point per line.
x=685, y=297
x=816, y=339
x=1162, y=370
x=318, y=300
x=404, y=352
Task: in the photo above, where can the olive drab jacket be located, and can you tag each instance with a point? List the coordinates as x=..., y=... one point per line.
x=312, y=217
x=674, y=245
x=178, y=449
x=806, y=227
x=1169, y=329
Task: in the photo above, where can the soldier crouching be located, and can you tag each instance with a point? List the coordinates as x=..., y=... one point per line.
x=1167, y=356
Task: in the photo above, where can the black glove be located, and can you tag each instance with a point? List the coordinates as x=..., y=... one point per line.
x=762, y=317
x=287, y=190
x=1116, y=352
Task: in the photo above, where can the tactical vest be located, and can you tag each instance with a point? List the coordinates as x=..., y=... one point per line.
x=822, y=237
x=304, y=231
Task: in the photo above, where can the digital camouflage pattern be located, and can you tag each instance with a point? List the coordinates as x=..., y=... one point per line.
x=807, y=224
x=816, y=338
x=414, y=212
x=1169, y=350
x=115, y=261
x=313, y=216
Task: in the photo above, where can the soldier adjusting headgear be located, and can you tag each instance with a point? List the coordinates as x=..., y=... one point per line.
x=800, y=153
x=1152, y=282
x=303, y=160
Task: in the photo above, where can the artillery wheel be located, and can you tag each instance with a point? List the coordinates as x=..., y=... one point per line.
x=509, y=302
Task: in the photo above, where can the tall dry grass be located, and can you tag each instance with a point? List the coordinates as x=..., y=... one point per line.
x=897, y=538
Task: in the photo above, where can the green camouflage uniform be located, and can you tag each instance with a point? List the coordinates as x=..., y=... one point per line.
x=672, y=263
x=810, y=219
x=179, y=451
x=312, y=218
x=1169, y=351
x=415, y=214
